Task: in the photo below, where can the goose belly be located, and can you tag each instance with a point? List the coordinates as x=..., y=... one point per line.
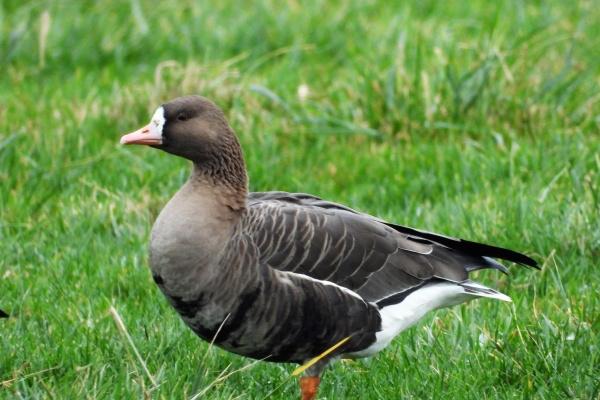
x=281, y=320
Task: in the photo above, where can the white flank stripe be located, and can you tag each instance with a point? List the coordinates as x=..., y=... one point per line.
x=346, y=290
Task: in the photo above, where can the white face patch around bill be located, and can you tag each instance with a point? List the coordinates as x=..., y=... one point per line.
x=157, y=122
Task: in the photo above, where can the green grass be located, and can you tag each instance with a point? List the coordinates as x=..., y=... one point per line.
x=478, y=120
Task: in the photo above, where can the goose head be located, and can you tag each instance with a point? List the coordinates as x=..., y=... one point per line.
x=191, y=127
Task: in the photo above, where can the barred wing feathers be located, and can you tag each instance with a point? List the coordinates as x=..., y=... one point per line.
x=378, y=260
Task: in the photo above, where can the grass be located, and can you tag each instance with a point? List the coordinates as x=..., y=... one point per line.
x=478, y=120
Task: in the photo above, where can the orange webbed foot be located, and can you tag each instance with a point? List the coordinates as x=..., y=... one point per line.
x=309, y=385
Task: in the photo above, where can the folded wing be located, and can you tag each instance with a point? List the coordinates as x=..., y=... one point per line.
x=380, y=261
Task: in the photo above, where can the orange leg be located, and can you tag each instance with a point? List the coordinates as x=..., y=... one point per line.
x=309, y=386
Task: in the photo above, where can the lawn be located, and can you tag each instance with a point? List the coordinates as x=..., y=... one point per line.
x=479, y=120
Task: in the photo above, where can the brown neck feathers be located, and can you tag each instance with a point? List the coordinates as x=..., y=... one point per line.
x=225, y=169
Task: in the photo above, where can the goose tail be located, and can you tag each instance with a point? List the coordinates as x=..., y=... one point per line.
x=479, y=290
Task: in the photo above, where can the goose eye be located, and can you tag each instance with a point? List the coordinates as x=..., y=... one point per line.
x=182, y=117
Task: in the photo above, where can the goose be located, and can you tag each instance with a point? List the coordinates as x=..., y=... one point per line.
x=285, y=277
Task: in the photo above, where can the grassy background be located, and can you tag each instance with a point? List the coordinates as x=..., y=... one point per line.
x=478, y=120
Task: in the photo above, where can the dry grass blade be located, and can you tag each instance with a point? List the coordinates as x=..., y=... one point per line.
x=223, y=377
x=43, y=36
x=123, y=329
x=212, y=342
x=315, y=360
x=8, y=382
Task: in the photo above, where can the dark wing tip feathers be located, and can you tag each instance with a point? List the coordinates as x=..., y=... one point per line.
x=3, y=314
x=480, y=249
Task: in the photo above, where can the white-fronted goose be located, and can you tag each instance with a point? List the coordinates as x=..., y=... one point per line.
x=285, y=276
